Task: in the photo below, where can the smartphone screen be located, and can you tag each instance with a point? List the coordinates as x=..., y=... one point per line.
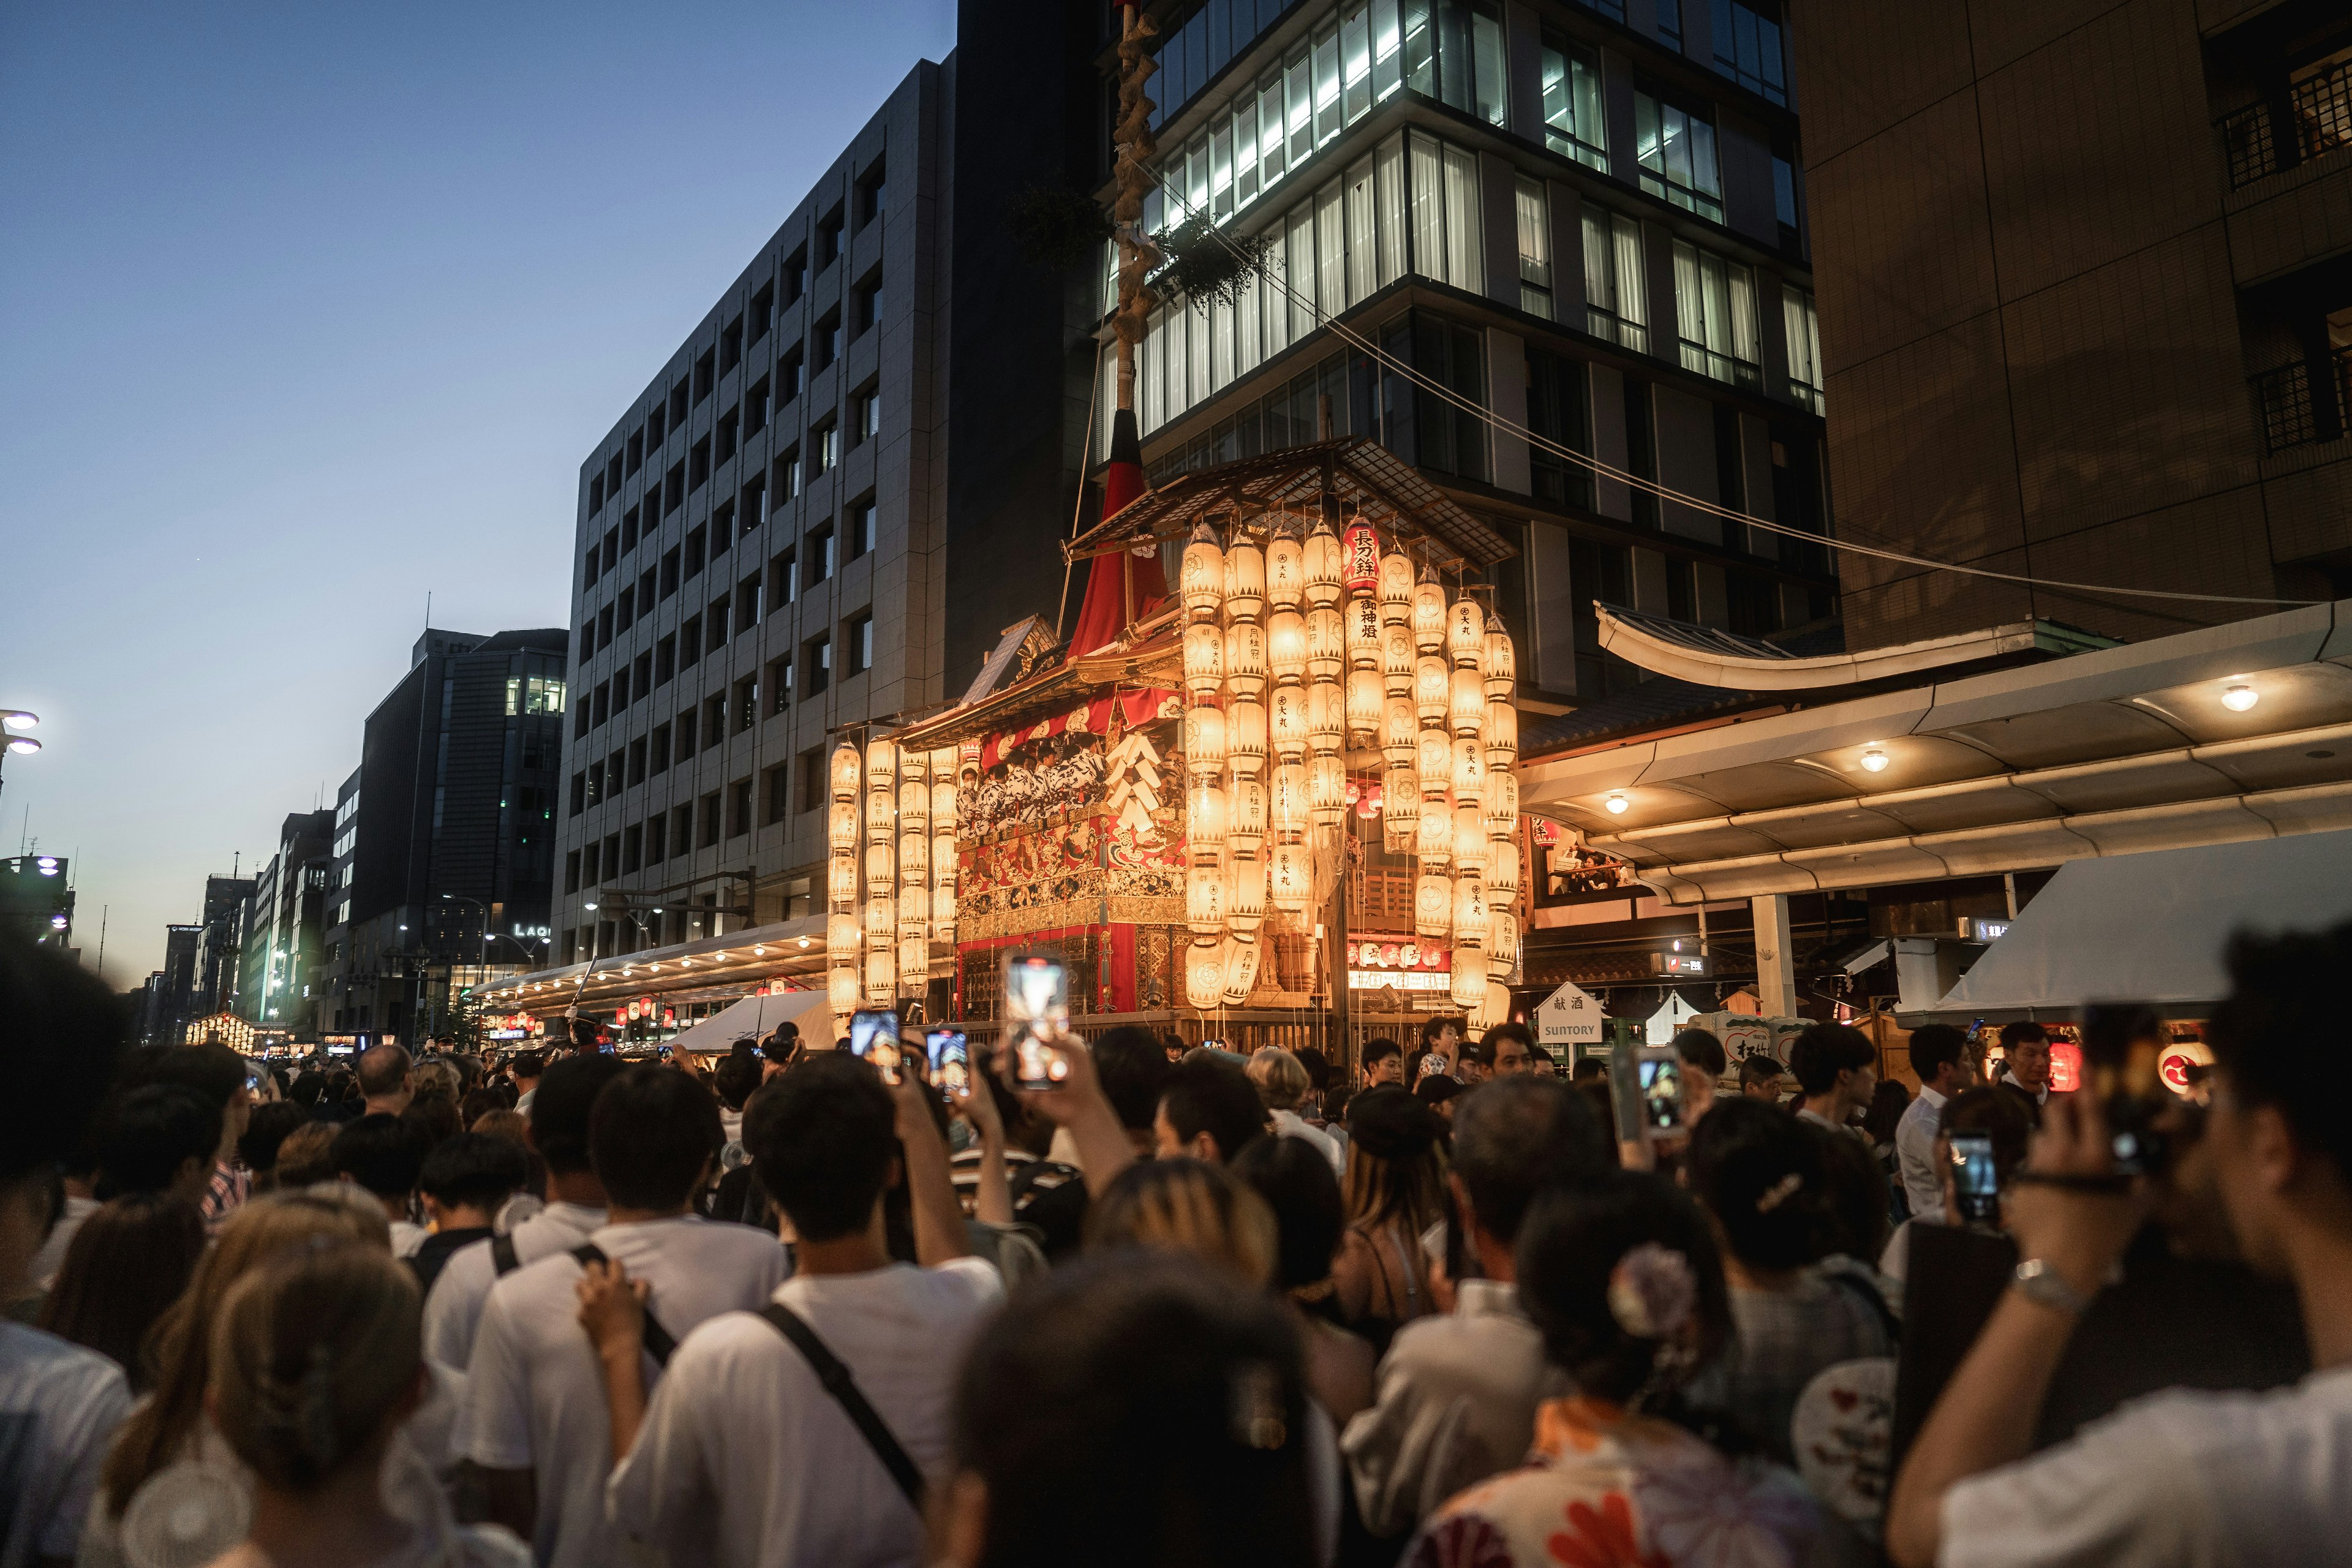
x=1661, y=1074
x=1037, y=1011
x=874, y=1037
x=951, y=1058
x=1974, y=1185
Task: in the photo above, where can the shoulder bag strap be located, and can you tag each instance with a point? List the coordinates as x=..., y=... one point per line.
x=660, y=1344
x=834, y=1376
x=502, y=1256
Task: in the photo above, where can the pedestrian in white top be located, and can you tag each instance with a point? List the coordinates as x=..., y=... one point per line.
x=1836, y=1069
x=746, y=1454
x=1940, y=1056
x=2251, y=1479
x=575, y=1208
x=1281, y=1082
x=535, y=1415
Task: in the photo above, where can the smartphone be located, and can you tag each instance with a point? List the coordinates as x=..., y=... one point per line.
x=253, y=1083
x=1974, y=1185
x=1646, y=1087
x=951, y=1057
x=2122, y=1045
x=874, y=1037
x=1036, y=1013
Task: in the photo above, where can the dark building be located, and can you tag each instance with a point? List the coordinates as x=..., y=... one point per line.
x=2086, y=303
x=1583, y=220
x=36, y=899
x=284, y=926
x=221, y=949
x=172, y=991
x=443, y=841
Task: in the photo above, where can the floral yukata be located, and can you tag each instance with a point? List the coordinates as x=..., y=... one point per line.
x=1606, y=1489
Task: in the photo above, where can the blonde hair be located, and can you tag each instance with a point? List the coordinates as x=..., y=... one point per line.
x=512, y=1125
x=439, y=1080
x=1380, y=1190
x=310, y=1354
x=1187, y=1206
x=1281, y=1079
x=180, y=1345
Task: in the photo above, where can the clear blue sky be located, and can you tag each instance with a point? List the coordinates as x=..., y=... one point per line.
x=306, y=310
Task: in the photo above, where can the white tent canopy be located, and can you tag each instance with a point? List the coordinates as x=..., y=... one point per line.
x=1659, y=1030
x=755, y=1016
x=2150, y=927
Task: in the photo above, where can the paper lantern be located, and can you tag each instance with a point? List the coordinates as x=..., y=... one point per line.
x=1466, y=633
x=1500, y=662
x=943, y=910
x=1398, y=662
x=1429, y=614
x=1207, y=816
x=1204, y=897
x=914, y=956
x=1285, y=571
x=1469, y=986
x=1501, y=733
x=841, y=989
x=915, y=858
x=1502, y=939
x=1204, y=973
x=1396, y=589
x=1469, y=841
x=1500, y=801
x=1469, y=909
x=882, y=978
x=1432, y=905
x=943, y=804
x=1469, y=772
x=881, y=919
x=843, y=936
x=1204, y=741
x=1245, y=658
x=1244, y=896
x=1502, y=872
x=1432, y=688
x=1204, y=661
x=881, y=816
x=1362, y=627
x=841, y=879
x=1363, y=704
x=1323, y=566
x=1326, y=790
x=1289, y=878
x=1326, y=715
x=1433, y=842
x=943, y=774
x=1202, y=576
x=943, y=858
x=1400, y=729
x=914, y=806
x=842, y=772
x=1240, y=970
x=1400, y=798
x=881, y=764
x=1245, y=737
x=1285, y=722
x=1433, y=760
x=1327, y=643
x=842, y=821
x=1285, y=646
x=881, y=875
x=1244, y=581
x=1465, y=708
x=1360, y=558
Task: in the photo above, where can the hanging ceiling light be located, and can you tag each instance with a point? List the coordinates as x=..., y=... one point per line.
x=1874, y=759
x=1616, y=803
x=2238, y=699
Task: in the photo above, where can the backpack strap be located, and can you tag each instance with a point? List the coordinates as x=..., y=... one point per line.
x=659, y=1343
x=503, y=1260
x=837, y=1382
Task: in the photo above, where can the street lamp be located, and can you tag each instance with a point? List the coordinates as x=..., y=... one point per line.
x=12, y=719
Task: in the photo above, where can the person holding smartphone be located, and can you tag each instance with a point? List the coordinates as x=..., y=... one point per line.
x=1979, y=1142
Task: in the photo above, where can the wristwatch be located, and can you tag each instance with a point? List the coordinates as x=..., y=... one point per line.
x=2041, y=1284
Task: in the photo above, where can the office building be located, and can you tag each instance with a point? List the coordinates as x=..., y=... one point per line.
x=36, y=899
x=221, y=947
x=442, y=846
x=2086, y=276
x=284, y=926
x=1585, y=220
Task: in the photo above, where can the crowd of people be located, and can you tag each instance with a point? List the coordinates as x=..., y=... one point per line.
x=1441, y=1307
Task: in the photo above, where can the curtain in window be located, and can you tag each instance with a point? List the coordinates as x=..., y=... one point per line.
x=1221, y=345
x=1389, y=180
x=1330, y=252
x=1355, y=62
x=1600, y=264
x=1245, y=152
x=1465, y=265
x=1535, y=247
x=1196, y=353
x=1275, y=310
x=1326, y=82
x=1488, y=75
x=1221, y=172
x=1428, y=208
x=1633, y=291
x=1246, y=325
x=1301, y=275
x=1363, y=249
x=1270, y=162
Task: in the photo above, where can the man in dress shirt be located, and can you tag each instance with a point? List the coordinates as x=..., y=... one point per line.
x=1940, y=1056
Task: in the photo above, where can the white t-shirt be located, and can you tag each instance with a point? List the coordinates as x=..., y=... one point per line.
x=59, y=1405
x=1290, y=1124
x=406, y=1238
x=745, y=1460
x=2185, y=1477
x=454, y=1309
x=52, y=1256
x=535, y=1399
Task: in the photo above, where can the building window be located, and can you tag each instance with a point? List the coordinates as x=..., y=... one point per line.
x=819, y=549
x=1787, y=205
x=828, y=447
x=1445, y=208
x=571, y=872
x=793, y=276
x=715, y=621
x=816, y=665
x=828, y=239
x=681, y=829
x=1575, y=125
x=1557, y=413
x=812, y=779
x=824, y=341
x=763, y=311
x=714, y=720
x=1747, y=50
x=787, y=476
x=632, y=842
x=1453, y=52
x=1449, y=438
x=1670, y=23
x=755, y=408
x=1535, y=247
x=747, y=604
x=533, y=694
x=1715, y=314
x=789, y=378
x=872, y=194
x=866, y=416
x=706, y=374
x=711, y=824
x=783, y=584
x=724, y=435
x=1804, y=330
x=1616, y=301
x=861, y=527
x=685, y=734
x=739, y=808
x=780, y=684
x=857, y=637
x=866, y=307
x=747, y=703
x=1675, y=148
x=657, y=757
x=669, y=563
x=778, y=790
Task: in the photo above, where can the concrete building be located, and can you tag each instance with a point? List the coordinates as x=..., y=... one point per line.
x=220, y=949
x=2086, y=276
x=284, y=926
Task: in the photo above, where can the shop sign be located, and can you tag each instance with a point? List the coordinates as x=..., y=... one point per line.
x=1569, y=1018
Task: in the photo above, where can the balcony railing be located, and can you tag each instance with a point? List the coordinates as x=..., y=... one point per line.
x=2291, y=416
x=2321, y=105
x=1721, y=366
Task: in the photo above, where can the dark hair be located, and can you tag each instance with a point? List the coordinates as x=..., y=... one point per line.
x=1380, y=1050
x=478, y=1103
x=1759, y=1066
x=65, y=1033
x=1204, y=1094
x=1296, y=1183
x=1888, y=1101
x=270, y=1126
x=1700, y=1049
x=1479, y=1052
x=823, y=1136
x=2003, y=1114
x=527, y=1064
x=2022, y=1030
x=2275, y=1034
x=1569, y=1249
x=1824, y=1050
x=1435, y=1088
x=1588, y=1069
x=559, y=1110
x=1514, y=1136
x=1759, y=1174
x=477, y=1170
x=1317, y=1066
x=1935, y=1046
x=211, y=1068
x=129, y=1261
x=1854, y=1208
x=1118, y=1392
x=651, y=1136
x=381, y=1153
x=309, y=1085
x=435, y=1117
x=783, y=1046
x=1132, y=1066
x=1433, y=1026
x=739, y=1076
x=144, y=1137
x=382, y=1070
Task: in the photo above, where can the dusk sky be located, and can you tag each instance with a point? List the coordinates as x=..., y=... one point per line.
x=309, y=311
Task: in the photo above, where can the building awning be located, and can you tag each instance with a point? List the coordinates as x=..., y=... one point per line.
x=2151, y=928
x=1707, y=656
x=756, y=1016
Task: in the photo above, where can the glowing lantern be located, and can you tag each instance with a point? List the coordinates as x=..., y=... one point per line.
x=1201, y=577
x=1246, y=736
x=1322, y=565
x=943, y=910
x=1432, y=905
x=880, y=874
x=1469, y=841
x=881, y=814
x=1204, y=973
x=842, y=772
x=1468, y=772
x=1500, y=663
x=1204, y=741
x=1327, y=643
x=1397, y=661
x=1286, y=717
x=1207, y=816
x=915, y=858
x=1285, y=571
x=914, y=806
x=1501, y=733
x=1465, y=709
x=1326, y=712
x=914, y=956
x=1244, y=896
x=1432, y=688
x=1244, y=580
x=1286, y=802
x=1433, y=759
x=841, y=987
x=881, y=978
x=1502, y=872
x=881, y=919
x=1433, y=844
x=881, y=764
x=1400, y=729
x=1363, y=704
x=1289, y=878
x=1429, y=614
x=841, y=824
x=1396, y=588
x=1240, y=970
x=1246, y=820
x=1466, y=633
x=943, y=858
x=1245, y=658
x=1469, y=909
x=1204, y=897
x=1360, y=558
x=1204, y=661
x=841, y=880
x=943, y=788
x=1503, y=939
x=1362, y=629
x=1285, y=646
x=1500, y=799
x=1469, y=986
x=1400, y=801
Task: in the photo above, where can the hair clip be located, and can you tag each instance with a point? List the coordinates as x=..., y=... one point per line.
x=1256, y=1408
x=1653, y=1292
x=1779, y=1193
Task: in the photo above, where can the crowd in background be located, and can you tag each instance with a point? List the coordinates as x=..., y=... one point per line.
x=1188, y=1306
